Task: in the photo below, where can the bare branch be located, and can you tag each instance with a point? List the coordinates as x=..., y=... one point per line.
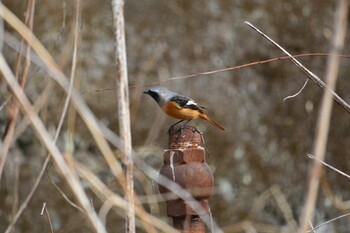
x=308, y=73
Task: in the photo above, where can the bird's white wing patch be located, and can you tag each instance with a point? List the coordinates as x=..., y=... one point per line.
x=190, y=102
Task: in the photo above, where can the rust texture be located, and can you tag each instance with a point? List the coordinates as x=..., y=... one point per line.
x=185, y=164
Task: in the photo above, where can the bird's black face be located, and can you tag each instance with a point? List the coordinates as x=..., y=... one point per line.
x=153, y=94
x=147, y=92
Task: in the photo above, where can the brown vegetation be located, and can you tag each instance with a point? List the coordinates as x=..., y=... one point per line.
x=260, y=163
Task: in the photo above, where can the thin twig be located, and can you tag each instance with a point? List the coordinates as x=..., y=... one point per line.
x=65, y=196
x=329, y=166
x=308, y=73
x=43, y=209
x=296, y=94
x=48, y=217
x=327, y=222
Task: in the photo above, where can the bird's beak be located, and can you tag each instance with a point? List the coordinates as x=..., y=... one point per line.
x=145, y=92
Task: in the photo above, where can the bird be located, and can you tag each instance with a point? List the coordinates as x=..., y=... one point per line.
x=179, y=106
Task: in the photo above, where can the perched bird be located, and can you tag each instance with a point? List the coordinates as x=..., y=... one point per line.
x=179, y=106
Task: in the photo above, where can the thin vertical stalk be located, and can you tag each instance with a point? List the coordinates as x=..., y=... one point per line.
x=13, y=108
x=323, y=122
x=123, y=108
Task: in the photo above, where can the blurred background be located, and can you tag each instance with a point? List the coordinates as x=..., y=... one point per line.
x=260, y=158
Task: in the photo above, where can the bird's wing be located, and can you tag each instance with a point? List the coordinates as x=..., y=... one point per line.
x=185, y=102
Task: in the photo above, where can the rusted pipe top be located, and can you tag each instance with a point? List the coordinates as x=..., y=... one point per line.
x=187, y=137
x=185, y=164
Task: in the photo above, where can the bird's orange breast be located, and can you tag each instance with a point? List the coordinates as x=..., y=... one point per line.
x=174, y=110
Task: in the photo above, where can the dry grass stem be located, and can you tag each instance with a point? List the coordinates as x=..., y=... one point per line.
x=86, y=114
x=40, y=102
x=36, y=122
x=284, y=207
x=340, y=25
x=24, y=204
x=105, y=194
x=123, y=108
x=275, y=192
x=104, y=210
x=58, y=130
x=80, y=105
x=336, y=200
x=4, y=104
x=70, y=202
x=73, y=68
x=48, y=217
x=45, y=138
x=13, y=108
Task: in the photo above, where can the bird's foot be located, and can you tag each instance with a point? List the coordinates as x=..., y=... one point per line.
x=178, y=130
x=194, y=129
x=171, y=130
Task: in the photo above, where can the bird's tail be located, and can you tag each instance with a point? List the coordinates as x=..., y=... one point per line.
x=205, y=117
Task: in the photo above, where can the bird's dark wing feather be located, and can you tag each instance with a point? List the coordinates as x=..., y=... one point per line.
x=185, y=102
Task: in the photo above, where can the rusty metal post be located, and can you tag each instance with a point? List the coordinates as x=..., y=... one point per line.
x=185, y=164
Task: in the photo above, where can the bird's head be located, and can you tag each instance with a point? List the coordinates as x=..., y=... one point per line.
x=160, y=94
